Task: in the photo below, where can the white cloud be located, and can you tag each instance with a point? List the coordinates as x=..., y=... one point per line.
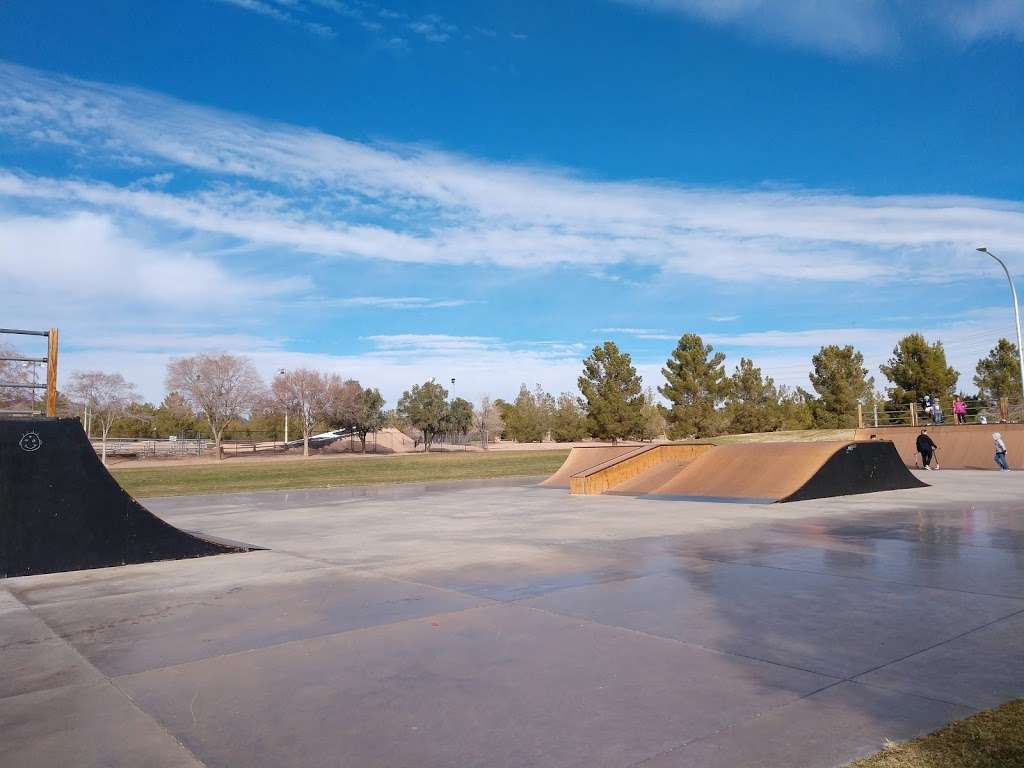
x=287, y=187
x=222, y=204
x=972, y=20
x=629, y=331
x=433, y=28
x=277, y=14
x=854, y=27
x=388, y=302
x=86, y=258
x=834, y=26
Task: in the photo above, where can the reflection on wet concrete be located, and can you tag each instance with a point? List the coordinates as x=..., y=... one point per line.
x=484, y=623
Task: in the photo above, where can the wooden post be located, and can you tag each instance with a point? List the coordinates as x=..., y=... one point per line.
x=913, y=415
x=51, y=374
x=860, y=416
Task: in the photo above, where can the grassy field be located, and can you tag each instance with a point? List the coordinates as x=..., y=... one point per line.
x=260, y=476
x=795, y=436
x=990, y=739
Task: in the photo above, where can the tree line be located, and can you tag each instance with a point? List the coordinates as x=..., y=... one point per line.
x=210, y=395
x=700, y=399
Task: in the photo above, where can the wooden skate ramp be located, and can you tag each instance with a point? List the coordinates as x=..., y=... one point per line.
x=585, y=457
x=637, y=471
x=774, y=472
x=961, y=446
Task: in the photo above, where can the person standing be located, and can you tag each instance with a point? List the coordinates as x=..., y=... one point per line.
x=997, y=438
x=959, y=410
x=926, y=447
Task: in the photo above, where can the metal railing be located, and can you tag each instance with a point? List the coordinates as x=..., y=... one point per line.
x=1002, y=411
x=50, y=361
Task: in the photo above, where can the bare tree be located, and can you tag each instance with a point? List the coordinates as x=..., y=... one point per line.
x=107, y=396
x=13, y=372
x=487, y=420
x=304, y=393
x=220, y=386
x=342, y=403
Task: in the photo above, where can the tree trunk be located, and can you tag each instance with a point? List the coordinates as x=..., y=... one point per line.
x=362, y=439
x=305, y=444
x=217, y=434
x=103, y=447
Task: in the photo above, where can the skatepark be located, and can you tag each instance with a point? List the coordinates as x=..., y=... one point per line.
x=513, y=622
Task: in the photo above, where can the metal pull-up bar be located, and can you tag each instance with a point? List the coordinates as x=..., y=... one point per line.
x=51, y=366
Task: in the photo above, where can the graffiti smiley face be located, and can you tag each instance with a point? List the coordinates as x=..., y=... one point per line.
x=30, y=442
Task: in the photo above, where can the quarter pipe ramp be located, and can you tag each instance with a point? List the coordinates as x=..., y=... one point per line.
x=775, y=472
x=961, y=446
x=743, y=472
x=60, y=510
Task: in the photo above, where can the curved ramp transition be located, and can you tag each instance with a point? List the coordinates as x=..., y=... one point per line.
x=774, y=472
x=585, y=457
x=60, y=510
x=961, y=446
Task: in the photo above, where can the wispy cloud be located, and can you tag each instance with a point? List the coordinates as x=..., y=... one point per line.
x=278, y=185
x=182, y=209
x=972, y=20
x=277, y=13
x=355, y=13
x=433, y=28
x=853, y=27
x=388, y=302
x=629, y=331
x=384, y=24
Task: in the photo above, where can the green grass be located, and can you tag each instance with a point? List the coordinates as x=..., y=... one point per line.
x=228, y=476
x=794, y=436
x=990, y=739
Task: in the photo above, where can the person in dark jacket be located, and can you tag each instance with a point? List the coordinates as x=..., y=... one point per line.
x=926, y=447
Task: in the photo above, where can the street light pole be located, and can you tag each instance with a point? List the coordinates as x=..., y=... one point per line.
x=451, y=433
x=282, y=372
x=1016, y=311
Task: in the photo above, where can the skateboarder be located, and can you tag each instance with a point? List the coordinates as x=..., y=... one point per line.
x=926, y=447
x=997, y=438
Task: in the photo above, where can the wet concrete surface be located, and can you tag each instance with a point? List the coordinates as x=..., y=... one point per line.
x=479, y=624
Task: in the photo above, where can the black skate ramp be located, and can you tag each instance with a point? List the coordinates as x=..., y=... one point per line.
x=61, y=510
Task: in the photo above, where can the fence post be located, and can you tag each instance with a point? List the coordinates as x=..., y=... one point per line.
x=875, y=411
x=913, y=415
x=860, y=416
x=51, y=373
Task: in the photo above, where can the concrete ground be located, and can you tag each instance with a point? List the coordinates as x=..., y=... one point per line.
x=477, y=624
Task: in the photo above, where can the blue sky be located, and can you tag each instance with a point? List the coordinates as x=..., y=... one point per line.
x=404, y=190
